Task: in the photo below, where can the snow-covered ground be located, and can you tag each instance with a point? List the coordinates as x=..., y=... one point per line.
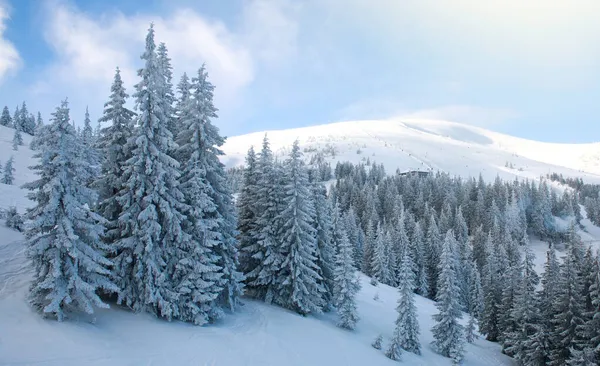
x=259, y=334
x=414, y=144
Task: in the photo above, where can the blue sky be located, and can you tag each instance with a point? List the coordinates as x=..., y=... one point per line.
x=530, y=69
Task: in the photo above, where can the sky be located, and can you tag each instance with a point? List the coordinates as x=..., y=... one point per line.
x=526, y=68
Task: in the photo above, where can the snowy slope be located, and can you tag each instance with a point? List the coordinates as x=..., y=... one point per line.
x=414, y=144
x=257, y=334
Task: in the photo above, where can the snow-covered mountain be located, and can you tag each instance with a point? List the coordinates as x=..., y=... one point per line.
x=260, y=334
x=416, y=144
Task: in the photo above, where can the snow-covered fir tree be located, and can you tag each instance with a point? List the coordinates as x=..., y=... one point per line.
x=152, y=205
x=207, y=265
x=208, y=142
x=261, y=274
x=448, y=333
x=406, y=333
x=17, y=138
x=568, y=306
x=346, y=285
x=114, y=146
x=63, y=237
x=300, y=289
x=379, y=265
x=248, y=214
x=87, y=134
x=8, y=175
x=5, y=118
x=325, y=240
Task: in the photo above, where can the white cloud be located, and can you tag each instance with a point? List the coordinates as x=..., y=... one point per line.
x=9, y=56
x=89, y=47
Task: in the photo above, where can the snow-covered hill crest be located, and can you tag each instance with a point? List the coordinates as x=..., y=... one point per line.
x=415, y=144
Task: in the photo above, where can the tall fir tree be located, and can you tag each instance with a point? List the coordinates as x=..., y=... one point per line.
x=406, y=333
x=568, y=306
x=247, y=213
x=152, y=204
x=325, y=244
x=448, y=333
x=87, y=134
x=300, y=289
x=63, y=237
x=346, y=285
x=115, y=149
x=262, y=278
x=525, y=313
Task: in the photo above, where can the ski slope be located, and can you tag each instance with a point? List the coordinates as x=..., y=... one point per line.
x=415, y=144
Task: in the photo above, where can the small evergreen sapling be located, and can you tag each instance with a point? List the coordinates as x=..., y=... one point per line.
x=377, y=343
x=8, y=176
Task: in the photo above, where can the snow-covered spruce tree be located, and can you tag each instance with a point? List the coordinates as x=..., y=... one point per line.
x=27, y=121
x=87, y=134
x=325, y=245
x=247, y=213
x=115, y=150
x=262, y=280
x=39, y=123
x=63, y=237
x=568, y=306
x=432, y=255
x=300, y=289
x=369, y=249
x=202, y=144
x=184, y=91
x=167, y=95
x=591, y=329
x=346, y=285
x=17, y=138
x=492, y=290
x=16, y=118
x=199, y=275
x=8, y=176
x=537, y=348
x=475, y=301
x=525, y=313
x=152, y=204
x=418, y=246
x=448, y=333
x=406, y=333
x=379, y=265
x=5, y=118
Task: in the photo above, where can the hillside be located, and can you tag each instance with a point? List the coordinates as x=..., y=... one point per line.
x=411, y=144
x=260, y=334
x=257, y=334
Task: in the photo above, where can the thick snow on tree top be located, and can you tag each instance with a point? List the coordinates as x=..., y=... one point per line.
x=429, y=145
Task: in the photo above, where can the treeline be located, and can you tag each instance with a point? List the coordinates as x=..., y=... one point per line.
x=589, y=195
x=485, y=226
